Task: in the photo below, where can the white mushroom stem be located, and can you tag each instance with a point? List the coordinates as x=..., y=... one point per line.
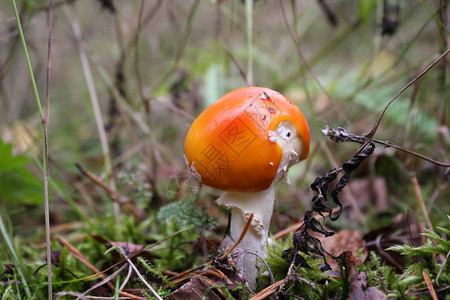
x=242, y=206
x=261, y=203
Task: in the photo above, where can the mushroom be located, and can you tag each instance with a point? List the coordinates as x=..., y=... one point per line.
x=243, y=144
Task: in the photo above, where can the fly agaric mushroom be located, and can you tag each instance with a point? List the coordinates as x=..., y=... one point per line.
x=243, y=144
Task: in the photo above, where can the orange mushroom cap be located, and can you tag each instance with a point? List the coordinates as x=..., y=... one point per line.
x=229, y=145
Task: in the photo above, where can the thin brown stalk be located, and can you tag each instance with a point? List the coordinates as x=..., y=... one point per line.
x=45, y=159
x=83, y=259
x=236, y=63
x=419, y=197
x=125, y=202
x=91, y=89
x=263, y=294
x=186, y=34
x=377, y=123
x=433, y=161
x=371, y=134
x=429, y=285
x=136, y=58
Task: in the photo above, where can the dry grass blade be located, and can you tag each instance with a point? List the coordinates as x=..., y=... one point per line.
x=212, y=283
x=236, y=63
x=46, y=167
x=84, y=260
x=182, y=276
x=429, y=285
x=441, y=269
x=241, y=237
x=419, y=197
x=60, y=295
x=99, y=284
x=139, y=274
x=91, y=88
x=125, y=202
x=263, y=294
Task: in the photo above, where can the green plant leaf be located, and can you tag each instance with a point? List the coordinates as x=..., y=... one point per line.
x=17, y=183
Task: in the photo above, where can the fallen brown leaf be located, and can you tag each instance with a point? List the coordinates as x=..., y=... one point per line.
x=359, y=289
x=194, y=289
x=344, y=240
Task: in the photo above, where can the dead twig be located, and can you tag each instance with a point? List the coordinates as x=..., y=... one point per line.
x=341, y=135
x=371, y=134
x=374, y=129
x=236, y=63
x=124, y=201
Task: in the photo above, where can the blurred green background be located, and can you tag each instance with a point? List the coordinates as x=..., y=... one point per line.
x=155, y=65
